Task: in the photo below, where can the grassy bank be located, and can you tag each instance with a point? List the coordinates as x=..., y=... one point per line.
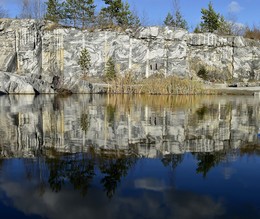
x=157, y=84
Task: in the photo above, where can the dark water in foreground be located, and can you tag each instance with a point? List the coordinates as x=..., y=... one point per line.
x=129, y=157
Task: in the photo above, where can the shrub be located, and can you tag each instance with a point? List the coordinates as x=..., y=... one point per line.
x=202, y=73
x=253, y=33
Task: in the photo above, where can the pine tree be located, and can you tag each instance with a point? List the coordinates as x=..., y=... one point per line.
x=86, y=12
x=176, y=21
x=70, y=11
x=211, y=19
x=134, y=20
x=110, y=70
x=84, y=61
x=225, y=27
x=119, y=13
x=53, y=11
x=113, y=10
x=126, y=18
x=197, y=29
x=169, y=21
x=180, y=22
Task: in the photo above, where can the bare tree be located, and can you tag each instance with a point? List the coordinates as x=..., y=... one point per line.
x=236, y=28
x=37, y=9
x=176, y=7
x=145, y=20
x=32, y=9
x=26, y=9
x=3, y=12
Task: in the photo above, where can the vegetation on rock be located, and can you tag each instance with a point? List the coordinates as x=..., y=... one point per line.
x=80, y=12
x=213, y=22
x=110, y=71
x=176, y=19
x=84, y=61
x=53, y=11
x=210, y=19
x=118, y=13
x=252, y=33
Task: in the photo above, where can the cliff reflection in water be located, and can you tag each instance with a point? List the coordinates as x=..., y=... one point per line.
x=145, y=126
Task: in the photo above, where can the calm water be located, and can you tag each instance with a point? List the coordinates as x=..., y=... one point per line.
x=129, y=157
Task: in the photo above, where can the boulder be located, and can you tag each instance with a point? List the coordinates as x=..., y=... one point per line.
x=14, y=84
x=40, y=86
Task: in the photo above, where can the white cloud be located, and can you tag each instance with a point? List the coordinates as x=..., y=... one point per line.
x=234, y=7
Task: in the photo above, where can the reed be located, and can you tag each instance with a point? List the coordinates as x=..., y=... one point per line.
x=157, y=85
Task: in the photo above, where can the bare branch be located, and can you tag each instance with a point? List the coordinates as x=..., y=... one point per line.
x=3, y=12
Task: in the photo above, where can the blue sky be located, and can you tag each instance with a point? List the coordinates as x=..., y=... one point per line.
x=244, y=11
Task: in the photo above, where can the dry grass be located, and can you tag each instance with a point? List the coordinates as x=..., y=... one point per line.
x=252, y=33
x=157, y=85
x=123, y=84
x=171, y=85
x=51, y=26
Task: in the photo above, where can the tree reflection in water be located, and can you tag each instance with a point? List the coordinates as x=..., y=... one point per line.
x=79, y=170
x=172, y=160
x=114, y=169
x=206, y=161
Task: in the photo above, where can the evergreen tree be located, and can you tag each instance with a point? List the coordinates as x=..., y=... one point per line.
x=70, y=11
x=86, y=11
x=180, y=22
x=225, y=27
x=176, y=21
x=197, y=29
x=79, y=12
x=211, y=19
x=126, y=18
x=110, y=70
x=169, y=21
x=113, y=9
x=84, y=60
x=134, y=20
x=119, y=13
x=53, y=11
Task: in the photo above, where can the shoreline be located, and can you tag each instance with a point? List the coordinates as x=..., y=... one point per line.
x=223, y=89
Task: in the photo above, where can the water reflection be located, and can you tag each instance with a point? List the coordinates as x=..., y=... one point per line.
x=155, y=126
x=87, y=153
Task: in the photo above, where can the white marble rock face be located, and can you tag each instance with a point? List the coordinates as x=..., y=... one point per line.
x=28, y=48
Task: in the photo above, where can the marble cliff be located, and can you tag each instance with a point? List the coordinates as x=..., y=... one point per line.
x=33, y=56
